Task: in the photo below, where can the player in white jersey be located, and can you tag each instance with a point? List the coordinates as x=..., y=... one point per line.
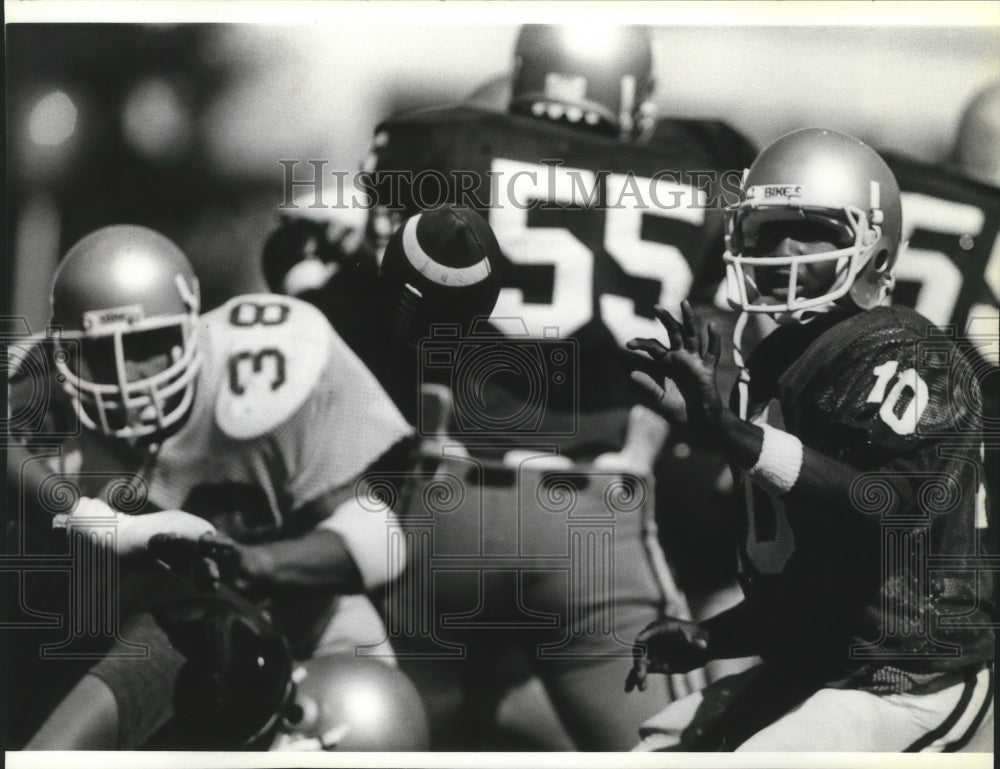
x=257, y=422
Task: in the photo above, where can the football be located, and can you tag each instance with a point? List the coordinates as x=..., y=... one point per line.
x=439, y=270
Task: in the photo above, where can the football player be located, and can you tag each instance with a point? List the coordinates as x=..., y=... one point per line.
x=254, y=419
x=601, y=212
x=977, y=145
x=951, y=274
x=857, y=433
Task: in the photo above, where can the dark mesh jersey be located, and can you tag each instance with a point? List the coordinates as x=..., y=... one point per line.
x=884, y=595
x=594, y=231
x=949, y=272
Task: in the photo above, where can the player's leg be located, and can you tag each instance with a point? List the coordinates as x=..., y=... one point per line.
x=585, y=674
x=86, y=719
x=122, y=701
x=685, y=723
x=589, y=697
x=853, y=720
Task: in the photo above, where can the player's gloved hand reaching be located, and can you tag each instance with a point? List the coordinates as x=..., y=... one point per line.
x=210, y=560
x=189, y=545
x=685, y=389
x=667, y=645
x=304, y=251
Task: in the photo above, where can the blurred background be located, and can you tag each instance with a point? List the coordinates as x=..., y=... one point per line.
x=181, y=127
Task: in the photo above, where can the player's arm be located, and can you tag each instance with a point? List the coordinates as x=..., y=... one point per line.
x=346, y=551
x=316, y=234
x=777, y=460
x=320, y=559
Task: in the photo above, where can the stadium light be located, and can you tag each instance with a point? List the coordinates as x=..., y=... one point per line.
x=52, y=120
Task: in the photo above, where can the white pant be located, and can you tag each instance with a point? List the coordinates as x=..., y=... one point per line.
x=842, y=719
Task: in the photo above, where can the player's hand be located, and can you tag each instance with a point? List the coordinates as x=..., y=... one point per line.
x=209, y=561
x=303, y=253
x=132, y=532
x=684, y=389
x=667, y=646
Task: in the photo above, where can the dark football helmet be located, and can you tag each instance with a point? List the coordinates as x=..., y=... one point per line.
x=236, y=684
x=129, y=297
x=592, y=76
x=837, y=186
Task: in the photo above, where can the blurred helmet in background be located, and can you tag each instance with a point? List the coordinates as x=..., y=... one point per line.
x=596, y=77
x=836, y=185
x=977, y=145
x=128, y=298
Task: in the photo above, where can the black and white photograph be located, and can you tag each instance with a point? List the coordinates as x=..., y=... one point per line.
x=455, y=381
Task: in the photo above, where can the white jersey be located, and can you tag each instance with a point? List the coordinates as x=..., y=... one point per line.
x=284, y=414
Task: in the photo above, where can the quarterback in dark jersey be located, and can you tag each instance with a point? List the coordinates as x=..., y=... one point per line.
x=600, y=213
x=857, y=431
x=250, y=424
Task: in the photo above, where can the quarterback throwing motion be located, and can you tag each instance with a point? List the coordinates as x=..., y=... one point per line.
x=856, y=428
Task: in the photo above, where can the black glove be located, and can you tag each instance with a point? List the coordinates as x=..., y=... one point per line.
x=317, y=242
x=667, y=646
x=209, y=561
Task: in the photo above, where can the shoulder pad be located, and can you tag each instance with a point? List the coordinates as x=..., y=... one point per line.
x=719, y=141
x=273, y=349
x=443, y=115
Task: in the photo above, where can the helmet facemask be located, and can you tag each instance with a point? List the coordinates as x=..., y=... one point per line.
x=132, y=376
x=754, y=231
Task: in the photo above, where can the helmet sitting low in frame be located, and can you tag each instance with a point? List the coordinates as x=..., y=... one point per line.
x=832, y=180
x=346, y=703
x=125, y=293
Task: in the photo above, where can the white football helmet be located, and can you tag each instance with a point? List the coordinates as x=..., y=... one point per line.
x=840, y=186
x=127, y=293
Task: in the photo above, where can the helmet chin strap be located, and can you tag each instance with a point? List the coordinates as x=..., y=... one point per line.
x=801, y=317
x=743, y=383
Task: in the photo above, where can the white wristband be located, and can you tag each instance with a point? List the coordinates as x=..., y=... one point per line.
x=780, y=461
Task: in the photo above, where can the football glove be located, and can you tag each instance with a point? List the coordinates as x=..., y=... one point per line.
x=209, y=561
x=303, y=253
x=667, y=645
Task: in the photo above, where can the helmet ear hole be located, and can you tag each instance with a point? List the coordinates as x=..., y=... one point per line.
x=881, y=262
